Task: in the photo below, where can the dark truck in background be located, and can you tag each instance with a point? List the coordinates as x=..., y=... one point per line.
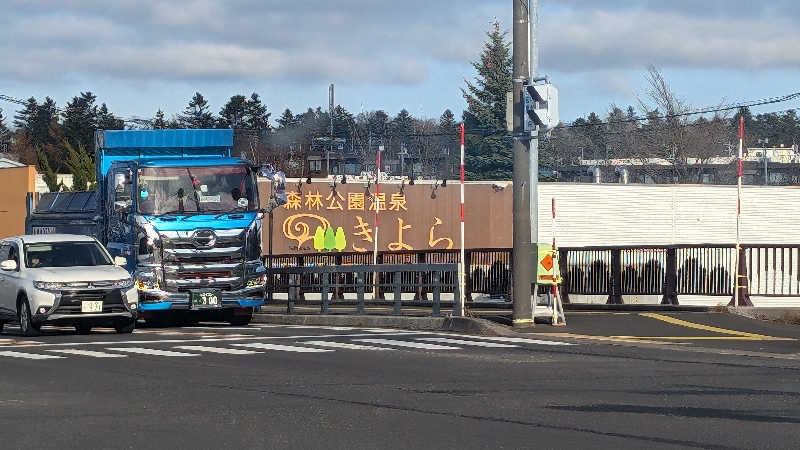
x=183, y=212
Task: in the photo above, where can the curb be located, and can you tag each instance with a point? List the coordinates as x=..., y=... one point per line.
x=782, y=315
x=466, y=325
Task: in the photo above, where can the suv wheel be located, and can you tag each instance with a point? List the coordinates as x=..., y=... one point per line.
x=125, y=326
x=26, y=324
x=83, y=328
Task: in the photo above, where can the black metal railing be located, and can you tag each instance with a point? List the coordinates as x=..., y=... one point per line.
x=332, y=282
x=771, y=270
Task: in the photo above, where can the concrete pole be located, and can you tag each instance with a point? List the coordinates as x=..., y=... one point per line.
x=533, y=28
x=521, y=264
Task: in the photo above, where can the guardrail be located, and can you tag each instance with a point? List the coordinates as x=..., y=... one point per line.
x=771, y=270
x=333, y=281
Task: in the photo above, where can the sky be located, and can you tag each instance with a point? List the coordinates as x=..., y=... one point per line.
x=139, y=56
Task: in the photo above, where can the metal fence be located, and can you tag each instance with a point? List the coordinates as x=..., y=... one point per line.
x=668, y=271
x=332, y=282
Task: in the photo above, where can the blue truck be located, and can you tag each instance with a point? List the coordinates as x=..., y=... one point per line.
x=183, y=212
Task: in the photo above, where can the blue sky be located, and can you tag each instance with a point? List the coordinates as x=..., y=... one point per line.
x=139, y=56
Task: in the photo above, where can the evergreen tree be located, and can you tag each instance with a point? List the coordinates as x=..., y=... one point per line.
x=4, y=132
x=48, y=174
x=287, y=119
x=197, y=114
x=80, y=166
x=488, y=144
x=80, y=120
x=256, y=115
x=108, y=121
x=233, y=114
x=159, y=122
x=36, y=121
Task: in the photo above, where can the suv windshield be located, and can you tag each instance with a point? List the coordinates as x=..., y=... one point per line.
x=65, y=254
x=186, y=190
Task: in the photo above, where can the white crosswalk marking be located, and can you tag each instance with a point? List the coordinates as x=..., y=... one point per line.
x=150, y=351
x=407, y=344
x=344, y=345
x=518, y=340
x=284, y=348
x=28, y=355
x=92, y=353
x=227, y=351
x=464, y=342
x=391, y=330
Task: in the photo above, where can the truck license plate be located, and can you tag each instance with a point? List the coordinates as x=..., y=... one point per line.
x=91, y=306
x=205, y=298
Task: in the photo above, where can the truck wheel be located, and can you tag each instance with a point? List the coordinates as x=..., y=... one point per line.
x=26, y=324
x=161, y=319
x=83, y=328
x=240, y=319
x=125, y=326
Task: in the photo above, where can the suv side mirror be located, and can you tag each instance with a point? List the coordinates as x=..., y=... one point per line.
x=8, y=265
x=120, y=261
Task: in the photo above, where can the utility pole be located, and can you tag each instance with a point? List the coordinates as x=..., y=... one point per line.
x=521, y=263
x=533, y=155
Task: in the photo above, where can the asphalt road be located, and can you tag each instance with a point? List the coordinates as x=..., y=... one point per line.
x=316, y=387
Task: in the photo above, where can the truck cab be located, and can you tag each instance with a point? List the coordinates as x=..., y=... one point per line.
x=186, y=216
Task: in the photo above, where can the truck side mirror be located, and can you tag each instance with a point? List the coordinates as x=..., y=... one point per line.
x=122, y=206
x=8, y=265
x=266, y=171
x=120, y=261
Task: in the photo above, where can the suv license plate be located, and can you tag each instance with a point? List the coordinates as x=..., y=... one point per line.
x=91, y=307
x=206, y=298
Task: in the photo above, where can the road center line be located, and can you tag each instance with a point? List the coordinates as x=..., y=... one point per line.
x=699, y=326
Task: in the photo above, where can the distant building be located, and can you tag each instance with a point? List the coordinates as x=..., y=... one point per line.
x=6, y=163
x=778, y=166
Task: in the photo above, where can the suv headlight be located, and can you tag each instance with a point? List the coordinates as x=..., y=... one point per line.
x=49, y=285
x=123, y=283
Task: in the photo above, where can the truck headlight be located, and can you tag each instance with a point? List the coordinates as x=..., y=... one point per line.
x=258, y=281
x=49, y=285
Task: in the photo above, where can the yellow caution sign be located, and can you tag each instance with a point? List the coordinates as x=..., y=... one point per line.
x=547, y=271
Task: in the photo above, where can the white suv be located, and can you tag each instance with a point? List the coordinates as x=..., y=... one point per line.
x=64, y=279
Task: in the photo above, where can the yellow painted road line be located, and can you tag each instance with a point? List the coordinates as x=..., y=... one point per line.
x=709, y=338
x=699, y=326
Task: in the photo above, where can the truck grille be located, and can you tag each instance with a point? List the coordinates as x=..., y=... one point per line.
x=190, y=263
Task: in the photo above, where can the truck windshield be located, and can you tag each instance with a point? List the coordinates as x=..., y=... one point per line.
x=192, y=190
x=65, y=254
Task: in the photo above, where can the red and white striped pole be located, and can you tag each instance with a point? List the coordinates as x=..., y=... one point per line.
x=377, y=203
x=461, y=302
x=738, y=208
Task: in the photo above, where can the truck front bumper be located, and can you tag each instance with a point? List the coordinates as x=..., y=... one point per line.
x=158, y=300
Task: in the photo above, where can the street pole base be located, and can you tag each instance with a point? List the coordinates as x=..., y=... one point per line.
x=523, y=323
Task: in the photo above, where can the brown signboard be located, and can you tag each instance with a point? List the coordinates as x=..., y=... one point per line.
x=319, y=218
